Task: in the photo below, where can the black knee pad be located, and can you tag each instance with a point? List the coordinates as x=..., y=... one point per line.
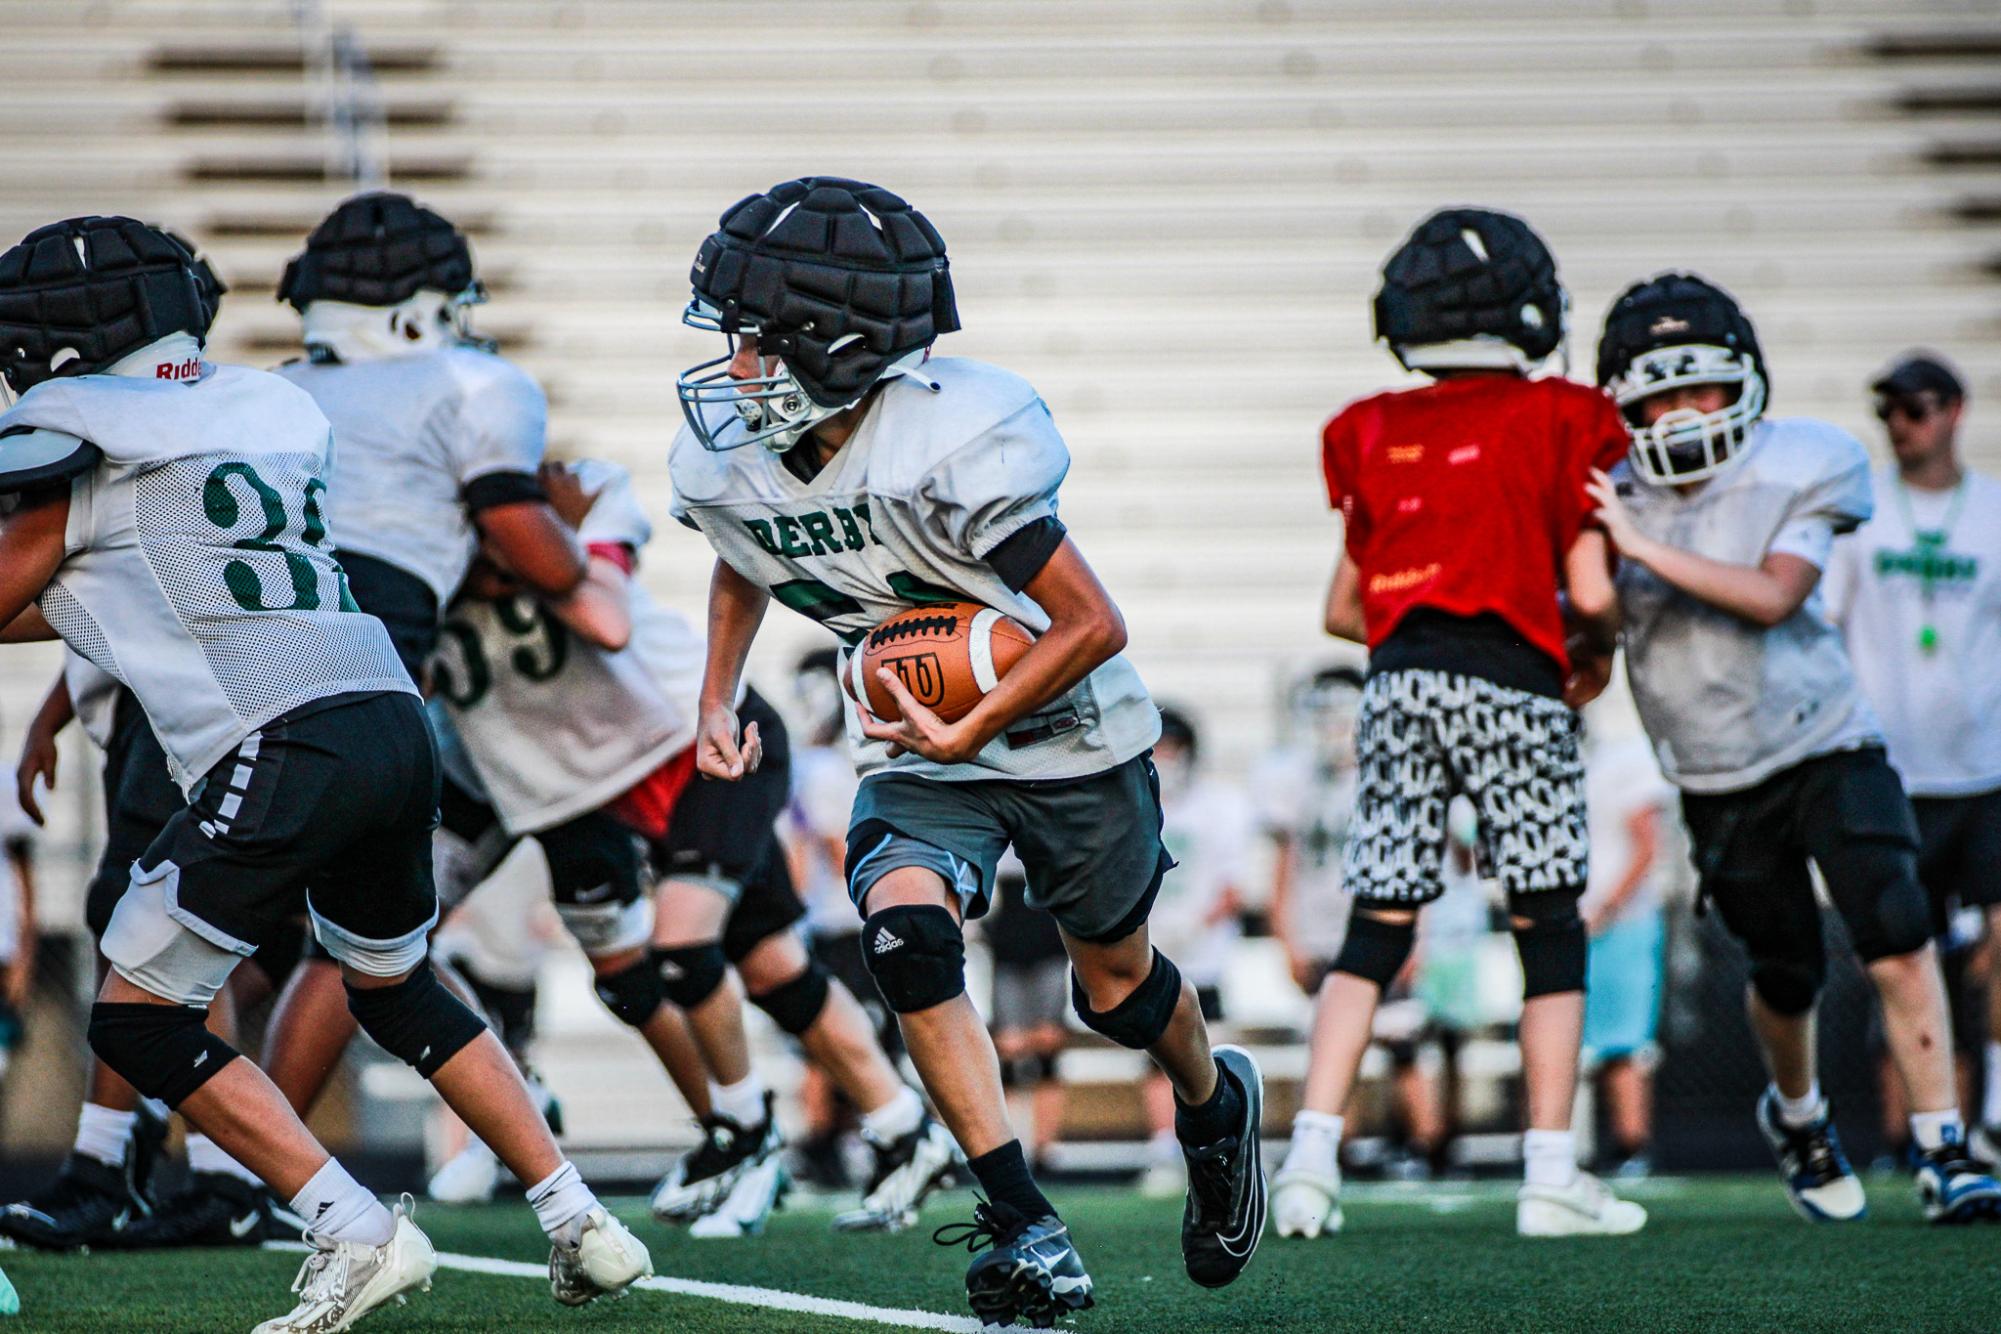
x=795, y=1006
x=164, y=1051
x=416, y=1020
x=633, y=994
x=917, y=956
x=690, y=974
x=1375, y=949
x=1552, y=946
x=1139, y=1019
x=1902, y=918
x=1045, y=1068
x=1788, y=985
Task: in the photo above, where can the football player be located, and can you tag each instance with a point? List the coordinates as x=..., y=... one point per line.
x=1724, y=519
x=165, y=521
x=1462, y=602
x=1917, y=594
x=437, y=442
x=103, y=1195
x=836, y=469
x=588, y=749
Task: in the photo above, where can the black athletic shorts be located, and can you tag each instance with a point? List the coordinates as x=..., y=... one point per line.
x=1959, y=851
x=1848, y=813
x=330, y=807
x=140, y=796
x=723, y=831
x=592, y=858
x=405, y=605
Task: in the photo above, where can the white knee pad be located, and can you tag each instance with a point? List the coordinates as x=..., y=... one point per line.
x=377, y=958
x=151, y=949
x=608, y=928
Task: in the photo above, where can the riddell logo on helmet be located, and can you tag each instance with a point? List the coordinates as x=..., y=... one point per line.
x=178, y=370
x=1668, y=324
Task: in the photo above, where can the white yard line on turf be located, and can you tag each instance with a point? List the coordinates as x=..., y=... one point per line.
x=737, y=1294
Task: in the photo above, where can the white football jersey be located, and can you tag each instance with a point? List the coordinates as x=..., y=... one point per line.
x=556, y=726
x=200, y=569
x=951, y=460
x=1209, y=828
x=1728, y=703
x=93, y=694
x=1311, y=805
x=411, y=432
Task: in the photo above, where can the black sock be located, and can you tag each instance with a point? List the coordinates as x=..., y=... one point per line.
x=1003, y=1173
x=1214, y=1119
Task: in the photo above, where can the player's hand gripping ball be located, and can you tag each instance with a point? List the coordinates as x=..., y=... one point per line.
x=947, y=656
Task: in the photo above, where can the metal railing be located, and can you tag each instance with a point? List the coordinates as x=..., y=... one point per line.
x=343, y=99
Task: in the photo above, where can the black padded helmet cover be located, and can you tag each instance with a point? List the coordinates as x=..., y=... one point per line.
x=79, y=295
x=379, y=249
x=1468, y=274
x=1674, y=310
x=838, y=278
x=207, y=281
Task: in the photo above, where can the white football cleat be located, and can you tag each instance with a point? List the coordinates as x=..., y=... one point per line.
x=1306, y=1204
x=1584, y=1208
x=468, y=1177
x=606, y=1260
x=744, y=1211
x=343, y=1281
x=906, y=1172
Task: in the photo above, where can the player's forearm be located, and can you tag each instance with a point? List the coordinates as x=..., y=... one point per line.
x=597, y=609
x=1343, y=616
x=1751, y=592
x=1591, y=601
x=736, y=610
x=1065, y=654
x=56, y=711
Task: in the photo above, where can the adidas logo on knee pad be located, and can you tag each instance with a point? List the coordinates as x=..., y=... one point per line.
x=885, y=941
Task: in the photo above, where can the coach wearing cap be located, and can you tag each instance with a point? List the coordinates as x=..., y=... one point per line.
x=1917, y=592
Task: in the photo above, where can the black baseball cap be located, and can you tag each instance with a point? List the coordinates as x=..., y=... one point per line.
x=1921, y=372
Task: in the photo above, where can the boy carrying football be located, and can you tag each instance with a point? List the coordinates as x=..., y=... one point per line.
x=836, y=469
x=1466, y=524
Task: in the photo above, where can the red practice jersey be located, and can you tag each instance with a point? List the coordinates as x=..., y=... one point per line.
x=1464, y=495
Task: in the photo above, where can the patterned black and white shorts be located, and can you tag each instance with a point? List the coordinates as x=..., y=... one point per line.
x=1424, y=737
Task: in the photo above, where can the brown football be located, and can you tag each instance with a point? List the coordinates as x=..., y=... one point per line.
x=948, y=656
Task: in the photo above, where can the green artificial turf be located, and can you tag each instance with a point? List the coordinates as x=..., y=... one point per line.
x=1719, y=1253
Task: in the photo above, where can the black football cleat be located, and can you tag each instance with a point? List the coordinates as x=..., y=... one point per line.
x=88, y=1204
x=1225, y=1216
x=1023, y=1268
x=212, y=1209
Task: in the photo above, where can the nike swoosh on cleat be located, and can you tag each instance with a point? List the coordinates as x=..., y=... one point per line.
x=244, y=1226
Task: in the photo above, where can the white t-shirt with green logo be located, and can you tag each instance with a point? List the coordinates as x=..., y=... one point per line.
x=1917, y=593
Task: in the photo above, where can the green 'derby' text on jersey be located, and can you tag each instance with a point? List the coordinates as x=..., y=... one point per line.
x=198, y=566
x=949, y=462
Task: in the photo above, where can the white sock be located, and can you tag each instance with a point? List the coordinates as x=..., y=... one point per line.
x=1931, y=1130
x=741, y=1102
x=336, y=1208
x=1803, y=1111
x=102, y=1133
x=205, y=1155
x=1990, y=1105
x=1549, y=1158
x=895, y=1118
x=560, y=1201
x=1316, y=1143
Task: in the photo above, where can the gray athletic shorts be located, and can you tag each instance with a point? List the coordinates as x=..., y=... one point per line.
x=1030, y=995
x=1091, y=846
